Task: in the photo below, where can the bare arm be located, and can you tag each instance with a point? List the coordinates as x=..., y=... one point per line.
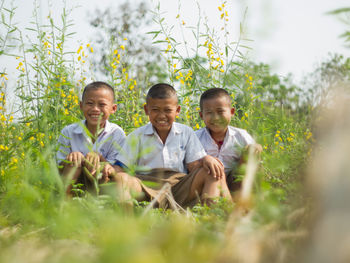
x=213, y=165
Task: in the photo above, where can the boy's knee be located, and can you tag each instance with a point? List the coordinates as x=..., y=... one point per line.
x=120, y=177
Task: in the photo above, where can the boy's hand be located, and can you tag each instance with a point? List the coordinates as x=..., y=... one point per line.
x=257, y=148
x=107, y=171
x=75, y=158
x=92, y=162
x=214, y=167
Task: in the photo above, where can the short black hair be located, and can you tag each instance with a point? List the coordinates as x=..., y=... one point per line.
x=161, y=91
x=213, y=93
x=97, y=85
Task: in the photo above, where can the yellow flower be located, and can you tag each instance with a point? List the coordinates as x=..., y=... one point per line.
x=183, y=23
x=2, y=147
x=291, y=134
x=132, y=87
x=87, y=45
x=220, y=8
x=278, y=132
x=125, y=38
x=42, y=144
x=122, y=47
x=115, y=52
x=282, y=148
x=92, y=50
x=19, y=138
x=32, y=138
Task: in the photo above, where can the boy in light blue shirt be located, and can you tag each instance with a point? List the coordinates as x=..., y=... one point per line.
x=219, y=139
x=85, y=145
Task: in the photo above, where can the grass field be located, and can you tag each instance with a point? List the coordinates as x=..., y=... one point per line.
x=39, y=224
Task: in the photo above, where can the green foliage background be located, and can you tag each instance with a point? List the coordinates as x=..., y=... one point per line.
x=35, y=216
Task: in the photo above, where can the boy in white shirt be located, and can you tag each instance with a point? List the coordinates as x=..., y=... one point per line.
x=163, y=151
x=84, y=145
x=218, y=138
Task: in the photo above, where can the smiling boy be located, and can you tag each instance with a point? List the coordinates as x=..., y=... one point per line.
x=165, y=151
x=84, y=145
x=218, y=138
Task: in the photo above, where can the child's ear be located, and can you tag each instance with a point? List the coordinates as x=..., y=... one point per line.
x=178, y=109
x=233, y=110
x=201, y=115
x=145, y=108
x=114, y=108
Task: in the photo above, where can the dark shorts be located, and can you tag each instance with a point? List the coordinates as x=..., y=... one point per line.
x=179, y=185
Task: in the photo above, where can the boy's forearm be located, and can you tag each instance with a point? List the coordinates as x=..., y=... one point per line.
x=193, y=165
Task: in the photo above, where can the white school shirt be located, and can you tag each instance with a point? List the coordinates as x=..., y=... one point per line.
x=144, y=148
x=74, y=139
x=230, y=152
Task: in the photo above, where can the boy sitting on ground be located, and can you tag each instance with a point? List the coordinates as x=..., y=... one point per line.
x=84, y=145
x=168, y=152
x=219, y=139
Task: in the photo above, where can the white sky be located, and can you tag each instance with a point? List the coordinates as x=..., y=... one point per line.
x=290, y=35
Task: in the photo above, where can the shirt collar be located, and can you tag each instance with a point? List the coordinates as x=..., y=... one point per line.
x=79, y=129
x=149, y=130
x=229, y=133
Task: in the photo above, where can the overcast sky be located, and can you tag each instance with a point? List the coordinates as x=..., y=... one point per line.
x=290, y=35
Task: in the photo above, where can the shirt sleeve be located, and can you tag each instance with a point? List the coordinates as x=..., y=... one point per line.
x=129, y=151
x=194, y=148
x=64, y=146
x=118, y=139
x=246, y=138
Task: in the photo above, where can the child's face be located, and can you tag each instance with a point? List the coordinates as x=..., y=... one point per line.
x=97, y=106
x=217, y=113
x=162, y=113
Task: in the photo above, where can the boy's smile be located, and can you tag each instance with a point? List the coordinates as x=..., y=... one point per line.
x=216, y=114
x=162, y=114
x=97, y=106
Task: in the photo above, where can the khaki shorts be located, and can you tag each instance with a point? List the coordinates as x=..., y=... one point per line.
x=180, y=185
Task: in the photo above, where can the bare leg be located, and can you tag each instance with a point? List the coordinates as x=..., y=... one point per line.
x=208, y=187
x=125, y=185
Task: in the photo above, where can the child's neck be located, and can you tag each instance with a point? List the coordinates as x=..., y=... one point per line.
x=93, y=130
x=218, y=137
x=163, y=135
